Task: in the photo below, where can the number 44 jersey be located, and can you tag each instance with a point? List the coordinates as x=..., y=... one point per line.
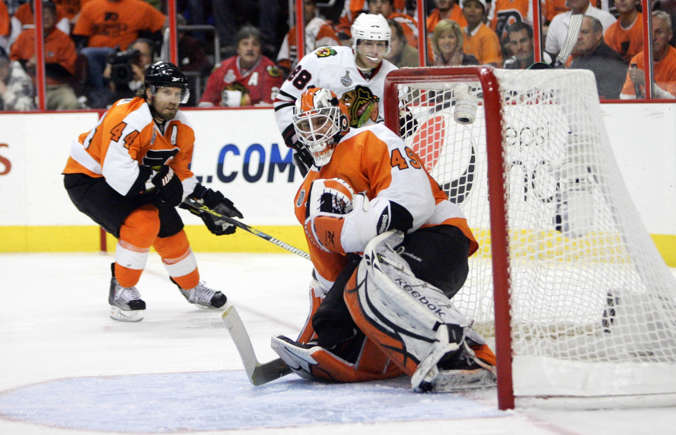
x=333, y=68
x=126, y=137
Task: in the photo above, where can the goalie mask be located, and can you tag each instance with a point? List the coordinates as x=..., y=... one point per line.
x=370, y=27
x=320, y=120
x=166, y=74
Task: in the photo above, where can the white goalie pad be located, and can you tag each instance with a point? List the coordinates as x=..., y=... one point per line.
x=410, y=305
x=415, y=313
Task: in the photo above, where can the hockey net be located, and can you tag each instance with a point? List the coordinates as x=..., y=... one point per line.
x=585, y=305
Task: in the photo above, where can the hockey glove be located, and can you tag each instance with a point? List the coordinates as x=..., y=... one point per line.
x=301, y=156
x=303, y=160
x=215, y=200
x=169, y=187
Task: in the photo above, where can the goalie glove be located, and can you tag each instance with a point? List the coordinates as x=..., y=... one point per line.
x=303, y=160
x=215, y=201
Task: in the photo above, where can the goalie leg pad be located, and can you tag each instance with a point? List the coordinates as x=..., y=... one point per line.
x=313, y=362
x=412, y=321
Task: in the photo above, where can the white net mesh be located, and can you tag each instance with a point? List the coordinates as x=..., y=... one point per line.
x=593, y=305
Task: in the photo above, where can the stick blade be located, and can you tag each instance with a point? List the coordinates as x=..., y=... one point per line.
x=264, y=373
x=240, y=337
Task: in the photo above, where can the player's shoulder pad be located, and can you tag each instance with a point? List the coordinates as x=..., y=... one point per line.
x=325, y=52
x=379, y=130
x=388, y=66
x=135, y=112
x=182, y=118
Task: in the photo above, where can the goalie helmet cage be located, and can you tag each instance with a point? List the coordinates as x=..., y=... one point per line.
x=567, y=280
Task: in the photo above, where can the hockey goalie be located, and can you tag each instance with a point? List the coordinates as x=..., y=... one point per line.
x=389, y=253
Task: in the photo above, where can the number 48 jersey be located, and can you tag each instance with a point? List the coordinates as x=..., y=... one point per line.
x=332, y=68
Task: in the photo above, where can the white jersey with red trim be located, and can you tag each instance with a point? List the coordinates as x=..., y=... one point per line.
x=332, y=68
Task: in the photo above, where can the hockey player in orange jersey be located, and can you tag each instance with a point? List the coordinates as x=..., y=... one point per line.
x=129, y=173
x=389, y=252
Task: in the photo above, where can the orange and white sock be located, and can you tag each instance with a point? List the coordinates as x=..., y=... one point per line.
x=178, y=259
x=136, y=236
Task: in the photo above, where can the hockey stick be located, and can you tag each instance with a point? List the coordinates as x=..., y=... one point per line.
x=257, y=373
x=195, y=206
x=571, y=40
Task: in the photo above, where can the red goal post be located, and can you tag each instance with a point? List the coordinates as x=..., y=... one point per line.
x=495, y=164
x=567, y=281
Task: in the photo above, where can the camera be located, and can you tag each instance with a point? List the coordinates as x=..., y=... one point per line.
x=120, y=65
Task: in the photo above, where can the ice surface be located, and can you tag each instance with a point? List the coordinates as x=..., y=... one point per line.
x=67, y=368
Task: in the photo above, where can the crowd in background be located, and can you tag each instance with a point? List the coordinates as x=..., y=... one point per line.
x=237, y=53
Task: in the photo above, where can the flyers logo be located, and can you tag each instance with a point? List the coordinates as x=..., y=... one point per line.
x=326, y=52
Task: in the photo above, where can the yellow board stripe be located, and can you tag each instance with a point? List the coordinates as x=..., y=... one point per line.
x=86, y=239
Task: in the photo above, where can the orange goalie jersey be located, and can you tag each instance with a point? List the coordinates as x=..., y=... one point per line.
x=376, y=162
x=126, y=135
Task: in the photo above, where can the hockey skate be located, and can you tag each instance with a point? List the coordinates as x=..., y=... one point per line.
x=204, y=297
x=126, y=304
x=297, y=356
x=455, y=366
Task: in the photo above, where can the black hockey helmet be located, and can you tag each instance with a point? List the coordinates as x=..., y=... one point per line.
x=167, y=74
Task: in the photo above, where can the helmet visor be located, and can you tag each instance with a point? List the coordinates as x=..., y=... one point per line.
x=185, y=92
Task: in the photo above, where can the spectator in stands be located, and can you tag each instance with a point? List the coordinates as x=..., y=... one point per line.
x=229, y=15
x=401, y=53
x=249, y=78
x=105, y=25
x=519, y=45
x=318, y=33
x=625, y=35
x=590, y=52
x=446, y=9
x=552, y=8
x=16, y=87
x=60, y=58
x=193, y=60
x=125, y=76
x=558, y=29
x=23, y=17
x=668, y=6
x=447, y=43
x=408, y=24
x=503, y=13
x=664, y=67
x=479, y=40
x=352, y=8
x=191, y=54
x=5, y=26
x=70, y=8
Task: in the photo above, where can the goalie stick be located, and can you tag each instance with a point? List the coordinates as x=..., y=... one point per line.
x=196, y=206
x=258, y=373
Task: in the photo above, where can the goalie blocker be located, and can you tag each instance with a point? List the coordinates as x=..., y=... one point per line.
x=403, y=325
